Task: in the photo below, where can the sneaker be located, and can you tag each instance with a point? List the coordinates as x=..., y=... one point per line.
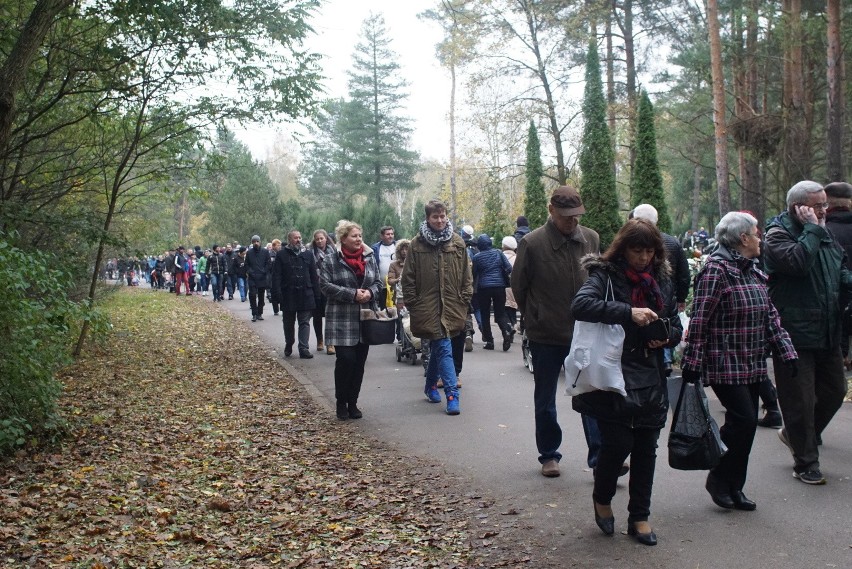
x=453, y=405
x=305, y=354
x=488, y=346
x=432, y=394
x=550, y=468
x=813, y=476
x=468, y=344
x=259, y=317
x=771, y=420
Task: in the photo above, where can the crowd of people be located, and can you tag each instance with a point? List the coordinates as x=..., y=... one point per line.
x=781, y=295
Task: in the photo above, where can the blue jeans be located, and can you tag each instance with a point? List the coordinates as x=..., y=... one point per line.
x=547, y=363
x=205, y=282
x=241, y=285
x=216, y=285
x=441, y=365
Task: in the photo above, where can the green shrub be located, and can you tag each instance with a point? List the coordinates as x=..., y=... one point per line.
x=37, y=328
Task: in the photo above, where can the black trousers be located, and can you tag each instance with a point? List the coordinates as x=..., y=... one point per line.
x=257, y=297
x=617, y=442
x=497, y=297
x=741, y=403
x=349, y=372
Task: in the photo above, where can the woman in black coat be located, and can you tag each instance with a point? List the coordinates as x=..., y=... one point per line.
x=642, y=293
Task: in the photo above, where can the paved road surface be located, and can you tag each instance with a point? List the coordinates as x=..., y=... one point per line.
x=492, y=442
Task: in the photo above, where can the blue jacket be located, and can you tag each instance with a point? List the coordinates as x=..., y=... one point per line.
x=491, y=268
x=375, y=247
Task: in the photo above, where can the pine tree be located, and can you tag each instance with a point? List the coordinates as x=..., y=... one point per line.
x=494, y=222
x=535, y=200
x=647, y=183
x=597, y=160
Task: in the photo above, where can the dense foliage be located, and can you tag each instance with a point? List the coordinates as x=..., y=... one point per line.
x=535, y=199
x=647, y=183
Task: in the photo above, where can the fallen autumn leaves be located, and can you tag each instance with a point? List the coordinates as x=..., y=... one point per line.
x=191, y=446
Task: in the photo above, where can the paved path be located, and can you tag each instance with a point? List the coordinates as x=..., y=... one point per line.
x=492, y=443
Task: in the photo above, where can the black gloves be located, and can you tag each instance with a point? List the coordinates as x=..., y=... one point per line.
x=691, y=376
x=793, y=366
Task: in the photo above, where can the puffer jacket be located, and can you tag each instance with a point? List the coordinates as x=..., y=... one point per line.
x=643, y=369
x=216, y=264
x=807, y=270
x=491, y=268
x=437, y=284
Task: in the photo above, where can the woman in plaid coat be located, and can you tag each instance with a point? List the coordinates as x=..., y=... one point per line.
x=349, y=279
x=733, y=324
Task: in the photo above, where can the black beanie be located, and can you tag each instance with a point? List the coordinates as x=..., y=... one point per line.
x=522, y=221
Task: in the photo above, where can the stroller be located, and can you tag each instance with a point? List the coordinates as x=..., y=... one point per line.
x=410, y=347
x=525, y=346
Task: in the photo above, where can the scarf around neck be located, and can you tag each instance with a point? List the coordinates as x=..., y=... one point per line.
x=645, y=292
x=433, y=237
x=355, y=261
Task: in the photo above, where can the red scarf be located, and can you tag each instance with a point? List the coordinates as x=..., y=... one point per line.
x=355, y=261
x=646, y=292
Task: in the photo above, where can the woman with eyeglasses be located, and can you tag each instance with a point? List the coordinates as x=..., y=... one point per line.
x=733, y=321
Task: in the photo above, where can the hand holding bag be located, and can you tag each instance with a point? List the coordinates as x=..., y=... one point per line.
x=594, y=360
x=378, y=326
x=694, y=439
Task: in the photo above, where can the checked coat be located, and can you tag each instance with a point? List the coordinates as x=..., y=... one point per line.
x=338, y=283
x=733, y=322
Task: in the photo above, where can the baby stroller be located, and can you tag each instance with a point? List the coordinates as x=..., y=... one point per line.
x=525, y=346
x=410, y=347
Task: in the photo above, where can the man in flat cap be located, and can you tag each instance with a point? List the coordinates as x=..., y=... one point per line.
x=546, y=276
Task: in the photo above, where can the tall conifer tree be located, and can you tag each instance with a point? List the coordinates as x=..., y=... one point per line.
x=647, y=182
x=535, y=199
x=597, y=159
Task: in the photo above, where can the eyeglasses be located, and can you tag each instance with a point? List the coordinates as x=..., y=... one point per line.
x=820, y=206
x=755, y=235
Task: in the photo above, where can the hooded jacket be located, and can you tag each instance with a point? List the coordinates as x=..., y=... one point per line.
x=491, y=268
x=643, y=368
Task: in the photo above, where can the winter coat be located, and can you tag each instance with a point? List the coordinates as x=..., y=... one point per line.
x=839, y=222
x=546, y=275
x=202, y=265
x=239, y=266
x=216, y=264
x=642, y=367
x=807, y=270
x=733, y=322
x=437, y=284
x=521, y=232
x=491, y=268
x=180, y=262
x=339, y=284
x=510, y=296
x=170, y=264
x=258, y=263
x=295, y=283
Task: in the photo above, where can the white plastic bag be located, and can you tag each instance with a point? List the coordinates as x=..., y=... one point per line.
x=594, y=361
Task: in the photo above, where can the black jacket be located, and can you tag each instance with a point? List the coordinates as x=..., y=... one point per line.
x=644, y=377
x=238, y=266
x=295, y=284
x=216, y=264
x=258, y=263
x=680, y=268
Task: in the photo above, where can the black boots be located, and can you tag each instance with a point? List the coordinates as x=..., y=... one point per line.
x=342, y=410
x=348, y=410
x=772, y=419
x=719, y=492
x=354, y=412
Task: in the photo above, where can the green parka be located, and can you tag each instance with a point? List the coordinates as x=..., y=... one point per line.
x=436, y=287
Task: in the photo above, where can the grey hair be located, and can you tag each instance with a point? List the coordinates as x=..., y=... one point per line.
x=799, y=193
x=647, y=212
x=732, y=225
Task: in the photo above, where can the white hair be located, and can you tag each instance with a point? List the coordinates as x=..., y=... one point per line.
x=647, y=212
x=799, y=193
x=732, y=225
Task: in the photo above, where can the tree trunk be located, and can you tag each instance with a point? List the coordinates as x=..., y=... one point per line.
x=835, y=111
x=630, y=75
x=720, y=125
x=696, y=195
x=796, y=157
x=13, y=73
x=610, y=71
x=453, y=210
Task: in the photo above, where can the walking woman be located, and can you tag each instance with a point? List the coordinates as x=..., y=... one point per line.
x=349, y=279
x=630, y=284
x=733, y=321
x=320, y=247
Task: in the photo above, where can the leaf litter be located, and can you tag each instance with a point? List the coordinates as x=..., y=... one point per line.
x=191, y=446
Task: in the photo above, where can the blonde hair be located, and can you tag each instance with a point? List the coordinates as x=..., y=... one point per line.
x=344, y=228
x=276, y=242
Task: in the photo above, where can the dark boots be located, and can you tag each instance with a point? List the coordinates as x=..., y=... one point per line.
x=354, y=412
x=342, y=410
x=348, y=410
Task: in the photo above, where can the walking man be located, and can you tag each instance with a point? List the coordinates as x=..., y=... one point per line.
x=546, y=276
x=295, y=285
x=257, y=267
x=437, y=285
x=384, y=250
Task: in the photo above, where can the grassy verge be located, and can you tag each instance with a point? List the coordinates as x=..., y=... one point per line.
x=192, y=447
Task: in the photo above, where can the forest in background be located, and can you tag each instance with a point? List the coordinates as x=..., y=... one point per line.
x=115, y=138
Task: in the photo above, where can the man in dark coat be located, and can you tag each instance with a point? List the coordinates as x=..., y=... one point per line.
x=838, y=219
x=295, y=285
x=523, y=227
x=257, y=267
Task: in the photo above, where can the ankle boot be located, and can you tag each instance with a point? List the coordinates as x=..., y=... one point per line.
x=354, y=412
x=342, y=410
x=772, y=419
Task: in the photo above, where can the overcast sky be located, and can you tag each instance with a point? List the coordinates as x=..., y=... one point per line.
x=338, y=24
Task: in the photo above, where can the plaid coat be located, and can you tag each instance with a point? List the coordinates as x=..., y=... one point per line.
x=733, y=322
x=338, y=283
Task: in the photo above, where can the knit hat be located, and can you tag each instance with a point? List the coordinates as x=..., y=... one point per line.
x=510, y=242
x=255, y=238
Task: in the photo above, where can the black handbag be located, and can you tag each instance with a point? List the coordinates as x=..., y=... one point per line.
x=694, y=441
x=380, y=328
